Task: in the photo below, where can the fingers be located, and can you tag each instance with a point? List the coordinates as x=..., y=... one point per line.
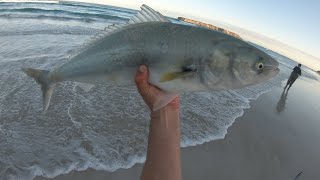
x=144, y=87
x=151, y=94
x=141, y=80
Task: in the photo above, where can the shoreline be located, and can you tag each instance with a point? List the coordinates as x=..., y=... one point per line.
x=266, y=142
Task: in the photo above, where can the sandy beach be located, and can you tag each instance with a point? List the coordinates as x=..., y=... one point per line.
x=276, y=139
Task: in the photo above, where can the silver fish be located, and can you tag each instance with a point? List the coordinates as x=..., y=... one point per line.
x=179, y=57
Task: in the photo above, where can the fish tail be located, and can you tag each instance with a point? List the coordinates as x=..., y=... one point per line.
x=47, y=85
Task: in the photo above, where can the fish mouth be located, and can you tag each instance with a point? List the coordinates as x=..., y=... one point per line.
x=271, y=68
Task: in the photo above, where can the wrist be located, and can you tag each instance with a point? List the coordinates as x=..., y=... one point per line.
x=165, y=111
x=166, y=122
x=173, y=106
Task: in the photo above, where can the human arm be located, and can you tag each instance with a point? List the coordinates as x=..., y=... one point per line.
x=163, y=153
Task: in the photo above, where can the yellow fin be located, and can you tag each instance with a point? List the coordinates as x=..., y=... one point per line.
x=174, y=75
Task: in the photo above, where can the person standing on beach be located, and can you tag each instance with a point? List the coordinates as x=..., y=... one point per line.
x=294, y=75
x=163, y=153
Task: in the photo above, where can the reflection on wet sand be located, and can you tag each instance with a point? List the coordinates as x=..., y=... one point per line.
x=282, y=101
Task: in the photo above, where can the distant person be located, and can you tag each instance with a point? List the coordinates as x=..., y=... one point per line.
x=163, y=154
x=294, y=75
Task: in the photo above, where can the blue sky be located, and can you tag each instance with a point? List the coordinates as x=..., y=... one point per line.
x=293, y=22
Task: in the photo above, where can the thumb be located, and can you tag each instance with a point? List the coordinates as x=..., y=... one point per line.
x=148, y=92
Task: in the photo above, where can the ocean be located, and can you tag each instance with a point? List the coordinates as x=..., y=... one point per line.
x=105, y=128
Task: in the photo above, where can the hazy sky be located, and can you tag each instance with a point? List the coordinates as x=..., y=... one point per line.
x=293, y=22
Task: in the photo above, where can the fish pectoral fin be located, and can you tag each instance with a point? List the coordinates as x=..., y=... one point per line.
x=175, y=75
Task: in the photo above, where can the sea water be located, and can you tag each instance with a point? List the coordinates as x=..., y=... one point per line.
x=105, y=128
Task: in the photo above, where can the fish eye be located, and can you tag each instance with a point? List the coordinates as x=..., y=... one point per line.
x=259, y=65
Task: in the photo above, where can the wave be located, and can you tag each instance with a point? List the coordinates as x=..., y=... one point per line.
x=70, y=31
x=61, y=13
x=99, y=7
x=48, y=17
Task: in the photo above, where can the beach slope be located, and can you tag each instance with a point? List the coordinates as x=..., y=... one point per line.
x=277, y=138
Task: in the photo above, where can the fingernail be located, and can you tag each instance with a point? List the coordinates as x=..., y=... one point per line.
x=142, y=69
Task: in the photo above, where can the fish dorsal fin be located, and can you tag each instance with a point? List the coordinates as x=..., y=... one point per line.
x=107, y=31
x=113, y=27
x=147, y=14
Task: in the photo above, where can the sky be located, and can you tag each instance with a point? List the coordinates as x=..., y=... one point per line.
x=271, y=23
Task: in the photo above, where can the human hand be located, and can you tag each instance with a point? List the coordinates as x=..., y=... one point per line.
x=153, y=96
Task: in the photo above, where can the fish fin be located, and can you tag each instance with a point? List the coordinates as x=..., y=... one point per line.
x=106, y=32
x=174, y=75
x=147, y=14
x=47, y=86
x=113, y=27
x=86, y=87
x=164, y=100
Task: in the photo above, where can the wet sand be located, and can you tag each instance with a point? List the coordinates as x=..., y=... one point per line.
x=276, y=139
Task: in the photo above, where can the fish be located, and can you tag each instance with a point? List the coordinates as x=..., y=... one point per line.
x=180, y=58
